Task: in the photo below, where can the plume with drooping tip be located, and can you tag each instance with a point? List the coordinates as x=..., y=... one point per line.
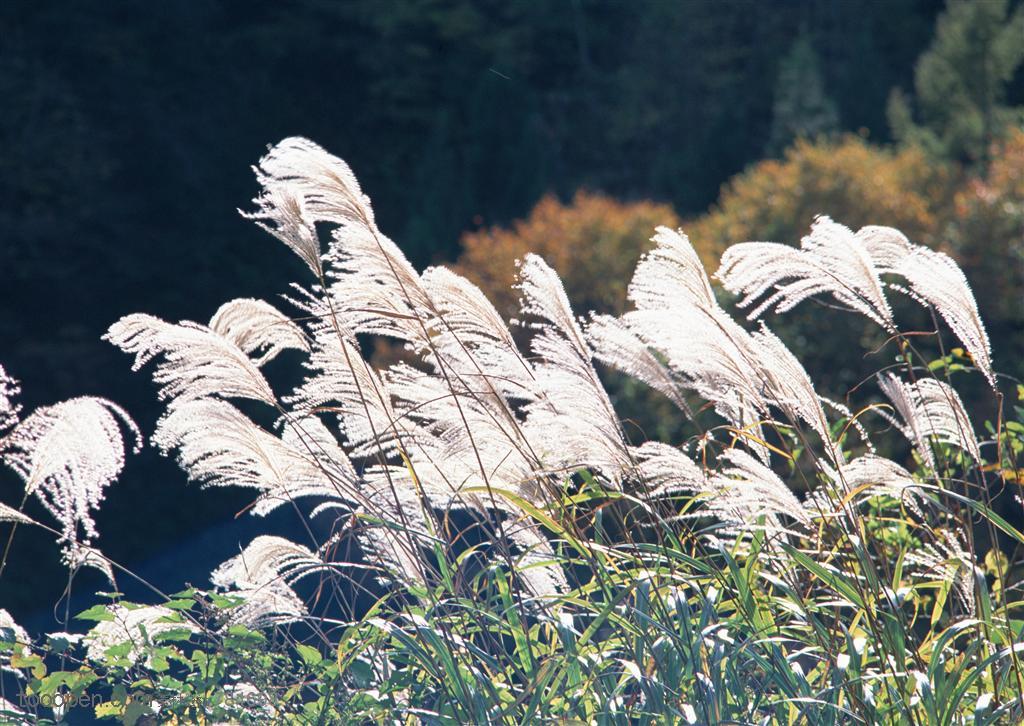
x=616, y=345
x=10, y=514
x=219, y=446
x=343, y=383
x=665, y=470
x=68, y=454
x=948, y=560
x=198, y=362
x=930, y=410
x=865, y=477
x=742, y=375
x=262, y=574
x=848, y=266
x=831, y=259
x=302, y=185
x=574, y=420
x=745, y=490
x=256, y=325
x=473, y=341
x=937, y=280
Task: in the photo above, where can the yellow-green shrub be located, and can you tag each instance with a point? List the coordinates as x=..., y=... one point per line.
x=854, y=182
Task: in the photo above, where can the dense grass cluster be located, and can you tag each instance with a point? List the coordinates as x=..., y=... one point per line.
x=488, y=542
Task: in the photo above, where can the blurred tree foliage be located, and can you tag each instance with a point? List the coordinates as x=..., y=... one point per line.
x=801, y=107
x=851, y=180
x=960, y=82
x=593, y=243
x=985, y=229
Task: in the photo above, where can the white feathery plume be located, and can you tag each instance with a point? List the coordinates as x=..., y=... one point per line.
x=399, y=502
x=325, y=183
x=882, y=476
x=948, y=560
x=831, y=259
x=665, y=470
x=473, y=340
x=672, y=265
x=255, y=325
x=791, y=388
x=302, y=185
x=310, y=439
x=131, y=624
x=67, y=454
x=197, y=361
x=261, y=574
x=472, y=444
x=574, y=425
x=462, y=444
x=930, y=409
x=888, y=247
x=713, y=355
x=616, y=345
x=374, y=289
x=935, y=279
x=834, y=260
x=10, y=514
x=282, y=212
x=745, y=489
x=9, y=409
x=78, y=555
x=343, y=383
x=220, y=446
x=678, y=316
x=447, y=458
x=478, y=374
x=865, y=477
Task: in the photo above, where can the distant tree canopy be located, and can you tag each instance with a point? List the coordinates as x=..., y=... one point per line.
x=960, y=82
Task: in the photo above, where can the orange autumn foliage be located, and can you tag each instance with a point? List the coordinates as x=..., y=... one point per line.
x=986, y=233
x=593, y=242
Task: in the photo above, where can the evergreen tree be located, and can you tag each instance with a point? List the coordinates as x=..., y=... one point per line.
x=960, y=82
x=801, y=107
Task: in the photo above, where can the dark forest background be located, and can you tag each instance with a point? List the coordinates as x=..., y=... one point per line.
x=128, y=130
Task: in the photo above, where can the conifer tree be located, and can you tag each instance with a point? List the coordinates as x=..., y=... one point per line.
x=801, y=106
x=960, y=82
